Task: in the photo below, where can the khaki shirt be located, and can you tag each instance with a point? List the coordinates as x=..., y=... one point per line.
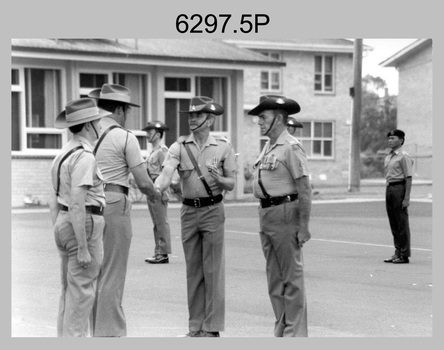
x=155, y=160
x=280, y=165
x=117, y=154
x=79, y=169
x=398, y=165
x=215, y=151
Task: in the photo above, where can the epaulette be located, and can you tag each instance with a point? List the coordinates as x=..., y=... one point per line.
x=221, y=138
x=181, y=139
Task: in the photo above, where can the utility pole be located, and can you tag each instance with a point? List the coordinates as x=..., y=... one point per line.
x=355, y=146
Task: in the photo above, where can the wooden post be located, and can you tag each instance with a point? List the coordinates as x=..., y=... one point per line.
x=355, y=146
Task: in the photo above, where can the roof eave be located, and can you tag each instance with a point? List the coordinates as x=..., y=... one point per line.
x=397, y=58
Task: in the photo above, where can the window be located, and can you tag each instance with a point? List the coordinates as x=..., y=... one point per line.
x=317, y=139
x=323, y=79
x=35, y=102
x=179, y=91
x=271, y=79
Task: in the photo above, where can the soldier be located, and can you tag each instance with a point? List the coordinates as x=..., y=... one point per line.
x=282, y=185
x=76, y=210
x=206, y=167
x=158, y=210
x=292, y=125
x=117, y=153
x=398, y=174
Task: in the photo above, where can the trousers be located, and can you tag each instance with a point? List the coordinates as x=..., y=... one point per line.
x=161, y=226
x=78, y=283
x=284, y=268
x=108, y=318
x=204, y=249
x=398, y=219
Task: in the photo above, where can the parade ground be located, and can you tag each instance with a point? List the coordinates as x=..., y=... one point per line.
x=351, y=292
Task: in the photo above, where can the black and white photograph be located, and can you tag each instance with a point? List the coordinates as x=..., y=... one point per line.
x=223, y=177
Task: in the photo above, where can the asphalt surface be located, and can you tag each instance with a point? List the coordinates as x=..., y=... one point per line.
x=351, y=292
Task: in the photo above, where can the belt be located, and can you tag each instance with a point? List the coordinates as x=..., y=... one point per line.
x=272, y=201
x=116, y=188
x=203, y=201
x=89, y=209
x=393, y=183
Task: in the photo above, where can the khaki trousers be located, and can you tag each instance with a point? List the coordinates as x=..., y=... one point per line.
x=161, y=226
x=284, y=268
x=78, y=283
x=203, y=245
x=108, y=315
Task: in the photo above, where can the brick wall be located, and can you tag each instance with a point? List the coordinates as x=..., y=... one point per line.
x=30, y=176
x=298, y=83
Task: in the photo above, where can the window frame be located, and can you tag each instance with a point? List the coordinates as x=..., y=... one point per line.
x=24, y=131
x=269, y=73
x=323, y=73
x=312, y=138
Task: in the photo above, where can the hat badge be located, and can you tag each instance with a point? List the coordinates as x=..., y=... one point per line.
x=158, y=125
x=280, y=101
x=212, y=107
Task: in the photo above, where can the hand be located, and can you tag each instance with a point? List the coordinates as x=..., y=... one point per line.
x=83, y=257
x=212, y=169
x=303, y=236
x=405, y=203
x=154, y=196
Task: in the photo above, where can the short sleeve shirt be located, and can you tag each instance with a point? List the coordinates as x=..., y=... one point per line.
x=279, y=166
x=398, y=165
x=155, y=160
x=79, y=169
x=117, y=154
x=217, y=152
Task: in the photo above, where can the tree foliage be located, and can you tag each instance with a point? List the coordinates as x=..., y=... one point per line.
x=378, y=117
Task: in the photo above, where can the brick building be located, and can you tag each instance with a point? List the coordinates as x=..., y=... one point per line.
x=415, y=104
x=163, y=74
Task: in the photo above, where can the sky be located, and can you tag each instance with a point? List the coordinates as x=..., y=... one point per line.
x=383, y=49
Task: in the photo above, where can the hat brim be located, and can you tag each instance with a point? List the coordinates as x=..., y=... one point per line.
x=61, y=123
x=218, y=109
x=154, y=128
x=110, y=99
x=289, y=105
x=296, y=124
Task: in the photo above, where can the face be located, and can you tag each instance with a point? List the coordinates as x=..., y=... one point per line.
x=196, y=119
x=265, y=121
x=394, y=142
x=150, y=135
x=291, y=129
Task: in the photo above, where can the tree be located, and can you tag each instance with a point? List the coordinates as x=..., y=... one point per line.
x=378, y=116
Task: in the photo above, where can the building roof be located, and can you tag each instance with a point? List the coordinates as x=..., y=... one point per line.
x=160, y=49
x=318, y=45
x=410, y=50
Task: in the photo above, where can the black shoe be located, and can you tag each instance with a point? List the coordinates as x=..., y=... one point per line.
x=158, y=259
x=401, y=260
x=210, y=334
x=390, y=260
x=192, y=334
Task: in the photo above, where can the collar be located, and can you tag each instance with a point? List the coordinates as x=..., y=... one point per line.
x=210, y=140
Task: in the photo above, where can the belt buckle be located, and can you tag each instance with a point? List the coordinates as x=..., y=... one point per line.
x=196, y=202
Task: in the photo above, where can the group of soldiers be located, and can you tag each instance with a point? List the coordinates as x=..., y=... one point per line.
x=90, y=210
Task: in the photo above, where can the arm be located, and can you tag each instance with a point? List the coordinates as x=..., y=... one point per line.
x=225, y=182
x=53, y=207
x=164, y=179
x=143, y=181
x=304, y=193
x=77, y=216
x=408, y=188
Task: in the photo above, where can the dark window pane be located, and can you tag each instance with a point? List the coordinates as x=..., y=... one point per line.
x=93, y=80
x=316, y=147
x=15, y=121
x=44, y=141
x=142, y=142
x=317, y=129
x=14, y=76
x=328, y=82
x=328, y=64
x=306, y=131
x=328, y=148
x=328, y=129
x=318, y=64
x=178, y=84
